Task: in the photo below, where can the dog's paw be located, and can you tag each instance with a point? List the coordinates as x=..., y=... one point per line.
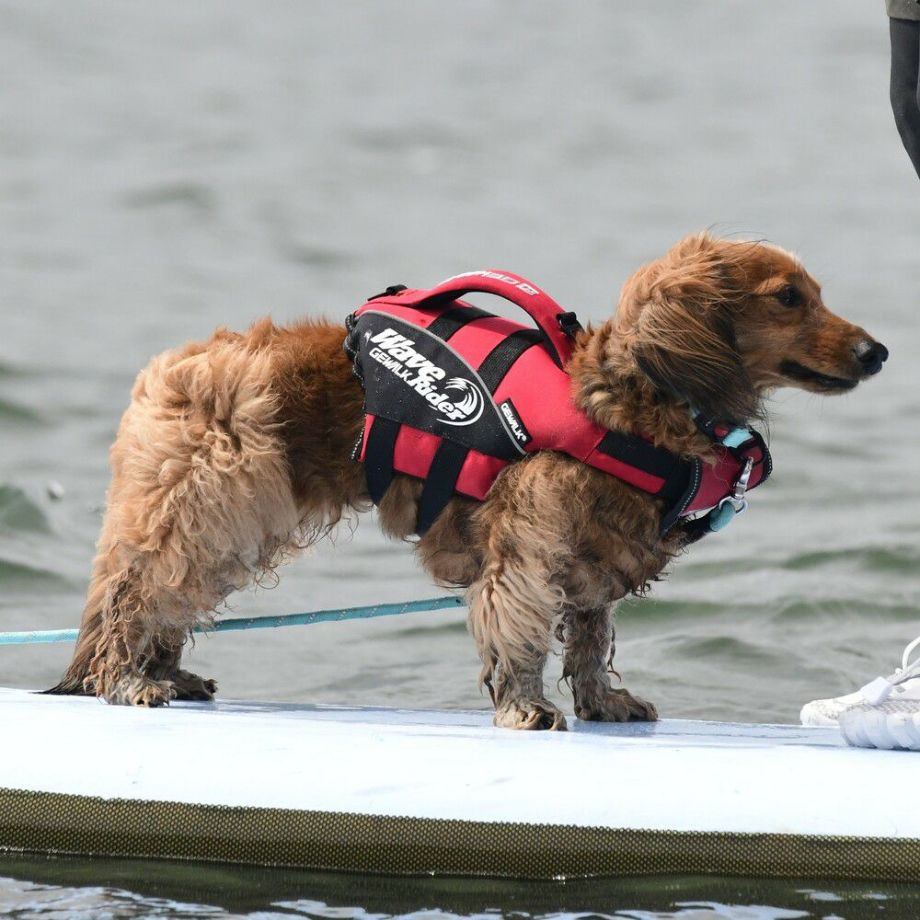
x=138, y=690
x=190, y=686
x=615, y=706
x=530, y=715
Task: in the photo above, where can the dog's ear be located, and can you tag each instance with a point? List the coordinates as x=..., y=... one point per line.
x=682, y=328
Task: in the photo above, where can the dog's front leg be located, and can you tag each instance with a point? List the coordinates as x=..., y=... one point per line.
x=588, y=659
x=519, y=699
x=163, y=665
x=511, y=622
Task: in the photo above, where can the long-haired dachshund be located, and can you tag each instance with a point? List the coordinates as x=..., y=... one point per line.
x=238, y=451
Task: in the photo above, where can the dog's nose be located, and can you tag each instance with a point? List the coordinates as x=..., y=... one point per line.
x=871, y=355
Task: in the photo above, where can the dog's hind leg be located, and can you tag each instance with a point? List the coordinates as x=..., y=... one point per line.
x=113, y=647
x=214, y=545
x=116, y=665
x=588, y=660
x=200, y=505
x=132, y=649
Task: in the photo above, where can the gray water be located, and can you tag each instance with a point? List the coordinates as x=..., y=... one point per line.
x=51, y=888
x=169, y=167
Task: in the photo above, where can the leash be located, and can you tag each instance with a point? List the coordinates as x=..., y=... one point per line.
x=30, y=637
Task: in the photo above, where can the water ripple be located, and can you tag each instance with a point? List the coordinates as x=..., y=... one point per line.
x=19, y=512
x=192, y=195
x=728, y=647
x=16, y=413
x=13, y=572
x=869, y=558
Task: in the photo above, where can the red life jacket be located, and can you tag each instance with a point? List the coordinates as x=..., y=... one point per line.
x=453, y=394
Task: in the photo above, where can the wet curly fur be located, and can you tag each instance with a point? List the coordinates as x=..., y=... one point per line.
x=236, y=451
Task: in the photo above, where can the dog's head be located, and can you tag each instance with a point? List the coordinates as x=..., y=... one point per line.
x=718, y=323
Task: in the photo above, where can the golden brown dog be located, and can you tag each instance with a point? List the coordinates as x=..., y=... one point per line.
x=237, y=451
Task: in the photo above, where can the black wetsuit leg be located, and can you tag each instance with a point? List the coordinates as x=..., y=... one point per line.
x=905, y=91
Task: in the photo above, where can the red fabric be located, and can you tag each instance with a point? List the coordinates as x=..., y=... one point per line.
x=717, y=481
x=416, y=449
x=476, y=339
x=507, y=285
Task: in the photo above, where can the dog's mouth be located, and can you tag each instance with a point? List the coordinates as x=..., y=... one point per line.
x=825, y=382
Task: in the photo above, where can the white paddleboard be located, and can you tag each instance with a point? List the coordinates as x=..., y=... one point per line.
x=430, y=791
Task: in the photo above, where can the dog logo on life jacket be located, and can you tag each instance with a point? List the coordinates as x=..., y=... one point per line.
x=470, y=404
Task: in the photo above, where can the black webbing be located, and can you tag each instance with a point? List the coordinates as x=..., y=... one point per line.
x=681, y=477
x=448, y=461
x=378, y=457
x=676, y=485
x=438, y=489
x=639, y=453
x=498, y=361
x=454, y=319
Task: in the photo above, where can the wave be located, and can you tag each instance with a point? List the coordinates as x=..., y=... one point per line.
x=860, y=609
x=191, y=195
x=10, y=371
x=879, y=559
x=13, y=572
x=17, y=413
x=869, y=558
x=429, y=628
x=653, y=608
x=19, y=512
x=726, y=647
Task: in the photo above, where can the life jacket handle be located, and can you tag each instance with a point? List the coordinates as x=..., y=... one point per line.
x=558, y=325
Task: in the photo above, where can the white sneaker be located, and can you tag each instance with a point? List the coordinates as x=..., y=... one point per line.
x=883, y=714
x=827, y=712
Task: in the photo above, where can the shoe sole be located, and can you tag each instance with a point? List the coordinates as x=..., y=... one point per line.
x=873, y=727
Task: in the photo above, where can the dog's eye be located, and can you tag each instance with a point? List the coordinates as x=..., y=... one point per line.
x=789, y=296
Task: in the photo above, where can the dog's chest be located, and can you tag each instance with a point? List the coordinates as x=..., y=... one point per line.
x=619, y=551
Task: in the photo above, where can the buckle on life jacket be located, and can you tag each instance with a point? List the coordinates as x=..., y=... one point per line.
x=568, y=323
x=730, y=506
x=391, y=291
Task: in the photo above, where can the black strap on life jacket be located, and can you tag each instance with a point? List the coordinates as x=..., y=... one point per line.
x=453, y=320
x=441, y=481
x=378, y=457
x=681, y=476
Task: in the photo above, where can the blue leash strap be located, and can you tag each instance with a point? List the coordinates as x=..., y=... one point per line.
x=30, y=637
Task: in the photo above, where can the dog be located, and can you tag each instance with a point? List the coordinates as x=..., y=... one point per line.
x=238, y=451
